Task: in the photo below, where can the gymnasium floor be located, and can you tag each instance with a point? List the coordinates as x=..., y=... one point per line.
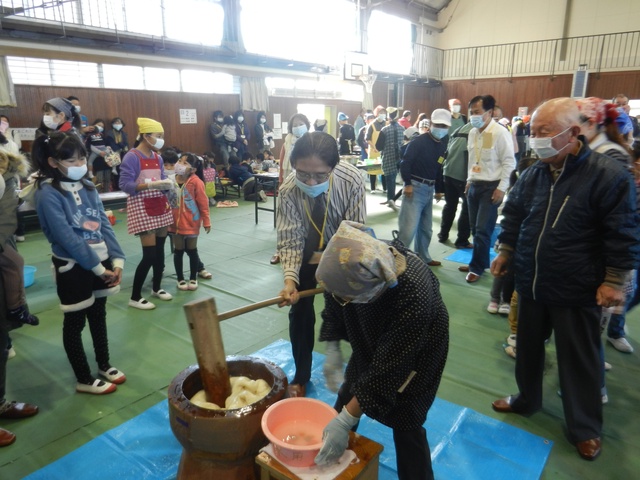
x=153, y=346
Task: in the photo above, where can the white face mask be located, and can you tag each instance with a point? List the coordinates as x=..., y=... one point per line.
x=455, y=109
x=477, y=120
x=158, y=145
x=240, y=119
x=543, y=147
x=78, y=108
x=117, y=127
x=382, y=117
x=181, y=169
x=219, y=119
x=75, y=173
x=49, y=122
x=263, y=120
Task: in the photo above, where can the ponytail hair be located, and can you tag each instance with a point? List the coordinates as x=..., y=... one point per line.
x=196, y=162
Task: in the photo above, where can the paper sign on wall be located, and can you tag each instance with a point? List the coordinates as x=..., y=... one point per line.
x=188, y=115
x=26, y=134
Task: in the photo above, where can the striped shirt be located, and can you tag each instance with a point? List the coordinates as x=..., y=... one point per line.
x=346, y=202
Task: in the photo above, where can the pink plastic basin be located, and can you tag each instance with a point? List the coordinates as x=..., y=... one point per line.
x=294, y=427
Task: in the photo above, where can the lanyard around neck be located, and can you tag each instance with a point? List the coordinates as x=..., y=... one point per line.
x=478, y=151
x=324, y=220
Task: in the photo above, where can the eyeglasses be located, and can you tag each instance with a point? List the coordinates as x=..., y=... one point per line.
x=318, y=177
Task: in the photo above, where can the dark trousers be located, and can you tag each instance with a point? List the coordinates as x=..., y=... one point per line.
x=483, y=215
x=502, y=288
x=453, y=192
x=413, y=457
x=577, y=339
x=302, y=321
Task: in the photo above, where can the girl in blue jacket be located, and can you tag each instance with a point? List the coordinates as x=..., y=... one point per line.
x=87, y=258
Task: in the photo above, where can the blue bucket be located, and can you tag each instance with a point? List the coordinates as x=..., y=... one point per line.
x=29, y=275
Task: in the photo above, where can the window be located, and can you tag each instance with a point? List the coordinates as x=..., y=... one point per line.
x=310, y=88
x=202, y=81
x=29, y=71
x=286, y=29
x=194, y=21
x=391, y=53
x=127, y=77
x=71, y=74
x=167, y=79
x=37, y=71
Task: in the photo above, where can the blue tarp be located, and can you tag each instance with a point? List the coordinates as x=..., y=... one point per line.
x=465, y=445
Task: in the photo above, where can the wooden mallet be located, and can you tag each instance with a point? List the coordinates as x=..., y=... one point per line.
x=204, y=326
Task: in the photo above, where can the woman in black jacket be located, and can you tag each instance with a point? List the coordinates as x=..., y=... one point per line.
x=118, y=140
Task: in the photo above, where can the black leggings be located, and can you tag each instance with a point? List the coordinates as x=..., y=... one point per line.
x=194, y=263
x=72, y=339
x=152, y=257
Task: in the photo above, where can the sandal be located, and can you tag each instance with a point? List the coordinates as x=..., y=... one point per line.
x=161, y=294
x=142, y=304
x=204, y=274
x=182, y=285
x=98, y=387
x=113, y=375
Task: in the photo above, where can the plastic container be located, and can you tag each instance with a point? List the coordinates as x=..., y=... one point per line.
x=29, y=275
x=294, y=427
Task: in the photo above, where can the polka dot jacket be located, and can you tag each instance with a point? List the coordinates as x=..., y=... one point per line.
x=400, y=344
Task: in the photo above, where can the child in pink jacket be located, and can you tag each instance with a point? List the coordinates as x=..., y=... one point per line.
x=191, y=214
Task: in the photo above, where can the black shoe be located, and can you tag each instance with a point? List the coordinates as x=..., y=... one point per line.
x=22, y=315
x=443, y=238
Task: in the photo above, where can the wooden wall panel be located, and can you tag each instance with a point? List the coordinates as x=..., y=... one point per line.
x=164, y=106
x=514, y=93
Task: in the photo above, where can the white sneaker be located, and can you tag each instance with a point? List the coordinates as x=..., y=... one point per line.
x=11, y=352
x=493, y=307
x=162, y=295
x=504, y=309
x=193, y=284
x=621, y=344
x=511, y=340
x=141, y=304
x=20, y=238
x=607, y=366
x=263, y=196
x=182, y=285
x=392, y=205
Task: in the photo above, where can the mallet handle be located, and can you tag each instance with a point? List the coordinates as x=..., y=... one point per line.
x=265, y=303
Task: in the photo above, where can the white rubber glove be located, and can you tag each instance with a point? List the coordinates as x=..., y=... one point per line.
x=335, y=437
x=165, y=184
x=333, y=366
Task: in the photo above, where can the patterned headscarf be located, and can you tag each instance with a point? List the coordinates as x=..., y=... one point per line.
x=592, y=108
x=62, y=105
x=356, y=266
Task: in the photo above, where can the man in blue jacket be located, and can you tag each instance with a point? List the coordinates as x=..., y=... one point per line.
x=570, y=233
